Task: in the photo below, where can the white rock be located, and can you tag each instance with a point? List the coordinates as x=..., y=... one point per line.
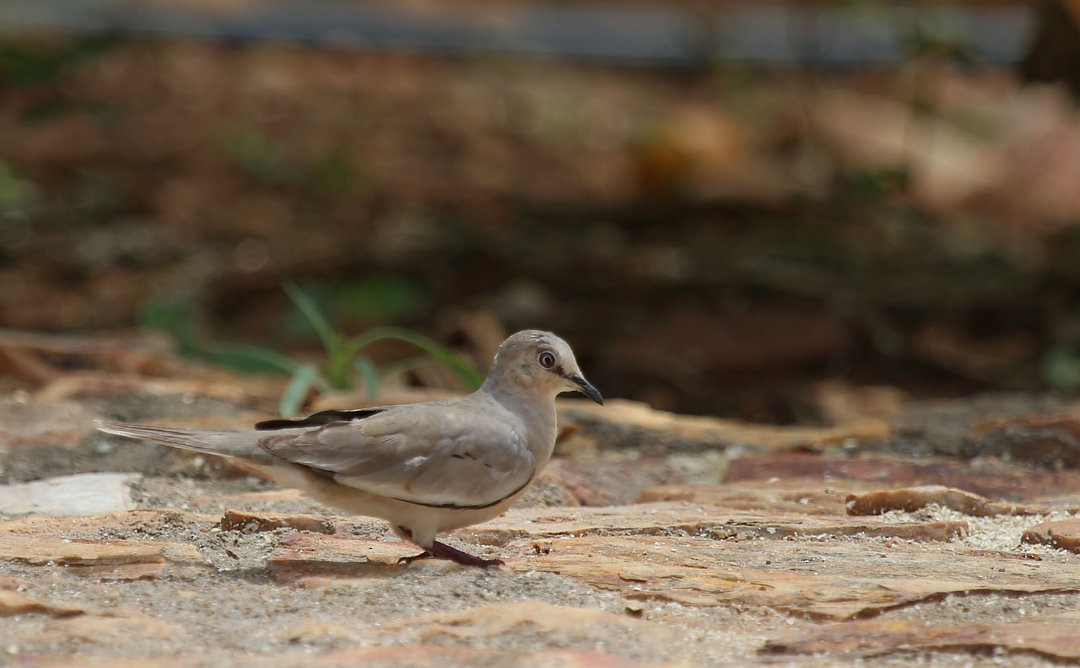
x=82, y=494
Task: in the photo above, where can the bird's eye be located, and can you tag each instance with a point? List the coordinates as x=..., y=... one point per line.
x=546, y=359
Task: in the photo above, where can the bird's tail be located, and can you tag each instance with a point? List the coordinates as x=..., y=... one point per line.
x=242, y=444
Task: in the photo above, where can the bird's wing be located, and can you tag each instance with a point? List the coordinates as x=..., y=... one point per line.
x=438, y=454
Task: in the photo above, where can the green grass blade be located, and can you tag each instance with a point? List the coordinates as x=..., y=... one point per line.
x=369, y=374
x=338, y=369
x=292, y=399
x=330, y=338
x=250, y=358
x=178, y=319
x=406, y=365
x=464, y=370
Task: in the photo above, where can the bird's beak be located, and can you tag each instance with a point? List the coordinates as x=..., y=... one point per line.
x=586, y=388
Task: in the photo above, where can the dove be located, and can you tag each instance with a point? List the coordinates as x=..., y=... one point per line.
x=426, y=468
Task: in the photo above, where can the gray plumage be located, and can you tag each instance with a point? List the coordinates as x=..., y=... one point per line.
x=426, y=467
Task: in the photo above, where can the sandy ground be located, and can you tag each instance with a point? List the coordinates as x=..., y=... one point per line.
x=742, y=577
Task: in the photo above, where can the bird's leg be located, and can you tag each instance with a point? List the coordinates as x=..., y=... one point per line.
x=444, y=551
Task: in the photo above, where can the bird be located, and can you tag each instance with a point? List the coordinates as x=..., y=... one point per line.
x=426, y=468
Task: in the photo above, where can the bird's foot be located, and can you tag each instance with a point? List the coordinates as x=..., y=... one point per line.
x=416, y=557
x=443, y=551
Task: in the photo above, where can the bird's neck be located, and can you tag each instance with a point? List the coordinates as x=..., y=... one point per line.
x=536, y=410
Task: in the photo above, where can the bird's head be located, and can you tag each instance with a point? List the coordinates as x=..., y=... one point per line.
x=539, y=361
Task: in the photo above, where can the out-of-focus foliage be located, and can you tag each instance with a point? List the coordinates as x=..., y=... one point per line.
x=25, y=64
x=1061, y=368
x=913, y=221
x=18, y=196
x=345, y=362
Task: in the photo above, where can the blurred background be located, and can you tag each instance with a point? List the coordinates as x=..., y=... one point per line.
x=737, y=209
